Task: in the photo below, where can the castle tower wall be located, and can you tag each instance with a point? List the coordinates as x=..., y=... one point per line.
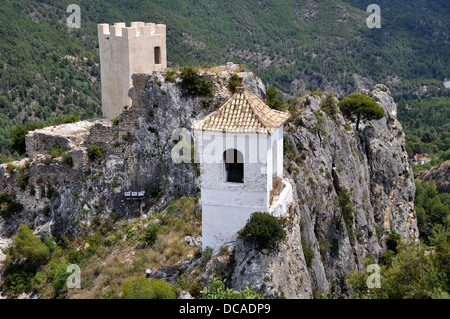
x=123, y=52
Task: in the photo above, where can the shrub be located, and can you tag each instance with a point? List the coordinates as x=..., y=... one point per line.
x=263, y=229
x=329, y=106
x=142, y=288
x=8, y=206
x=217, y=290
x=29, y=247
x=17, y=279
x=110, y=240
x=55, y=150
x=46, y=211
x=170, y=76
x=233, y=82
x=272, y=99
x=115, y=121
x=151, y=234
x=194, y=83
x=206, y=255
x=18, y=135
x=67, y=159
x=94, y=151
x=308, y=253
x=347, y=209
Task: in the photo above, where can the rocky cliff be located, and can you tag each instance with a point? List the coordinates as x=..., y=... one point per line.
x=324, y=161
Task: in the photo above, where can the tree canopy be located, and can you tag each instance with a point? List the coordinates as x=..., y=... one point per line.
x=360, y=106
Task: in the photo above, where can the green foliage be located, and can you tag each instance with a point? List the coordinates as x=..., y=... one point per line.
x=18, y=278
x=18, y=135
x=46, y=211
x=29, y=248
x=307, y=252
x=94, y=151
x=329, y=106
x=142, y=288
x=151, y=234
x=170, y=76
x=67, y=159
x=414, y=272
x=206, y=255
x=194, y=83
x=425, y=121
x=362, y=107
x=233, y=82
x=347, y=209
x=8, y=206
x=55, y=150
x=216, y=290
x=263, y=229
x=115, y=121
x=432, y=208
x=272, y=98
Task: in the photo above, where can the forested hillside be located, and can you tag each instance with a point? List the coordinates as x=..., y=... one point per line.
x=49, y=70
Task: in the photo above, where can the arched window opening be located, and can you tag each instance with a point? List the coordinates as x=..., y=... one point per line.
x=157, y=55
x=234, y=166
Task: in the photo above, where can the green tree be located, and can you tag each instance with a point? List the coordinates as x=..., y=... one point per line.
x=272, y=99
x=143, y=288
x=29, y=247
x=18, y=135
x=360, y=106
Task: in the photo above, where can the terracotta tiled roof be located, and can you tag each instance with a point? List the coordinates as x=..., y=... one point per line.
x=244, y=112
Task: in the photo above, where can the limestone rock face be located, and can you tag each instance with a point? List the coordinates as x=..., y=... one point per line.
x=322, y=159
x=372, y=166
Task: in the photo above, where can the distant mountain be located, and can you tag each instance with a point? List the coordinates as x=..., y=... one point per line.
x=47, y=69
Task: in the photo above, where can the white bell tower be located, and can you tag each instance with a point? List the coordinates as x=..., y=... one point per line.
x=240, y=149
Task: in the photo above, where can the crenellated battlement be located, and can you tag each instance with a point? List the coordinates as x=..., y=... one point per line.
x=140, y=48
x=137, y=29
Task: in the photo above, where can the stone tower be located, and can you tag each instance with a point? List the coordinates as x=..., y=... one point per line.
x=140, y=48
x=240, y=150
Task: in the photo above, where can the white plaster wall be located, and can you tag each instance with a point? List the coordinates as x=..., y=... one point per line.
x=226, y=207
x=220, y=224
x=276, y=136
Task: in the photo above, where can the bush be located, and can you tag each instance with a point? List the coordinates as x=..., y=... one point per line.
x=329, y=106
x=8, y=206
x=17, y=279
x=195, y=84
x=263, y=229
x=29, y=247
x=142, y=288
x=18, y=135
x=67, y=159
x=308, y=253
x=272, y=98
x=233, y=82
x=150, y=235
x=94, y=151
x=217, y=290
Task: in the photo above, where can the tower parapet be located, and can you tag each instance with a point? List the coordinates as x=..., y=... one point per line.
x=140, y=48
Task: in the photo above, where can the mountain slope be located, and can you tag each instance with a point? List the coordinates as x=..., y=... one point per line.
x=47, y=69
